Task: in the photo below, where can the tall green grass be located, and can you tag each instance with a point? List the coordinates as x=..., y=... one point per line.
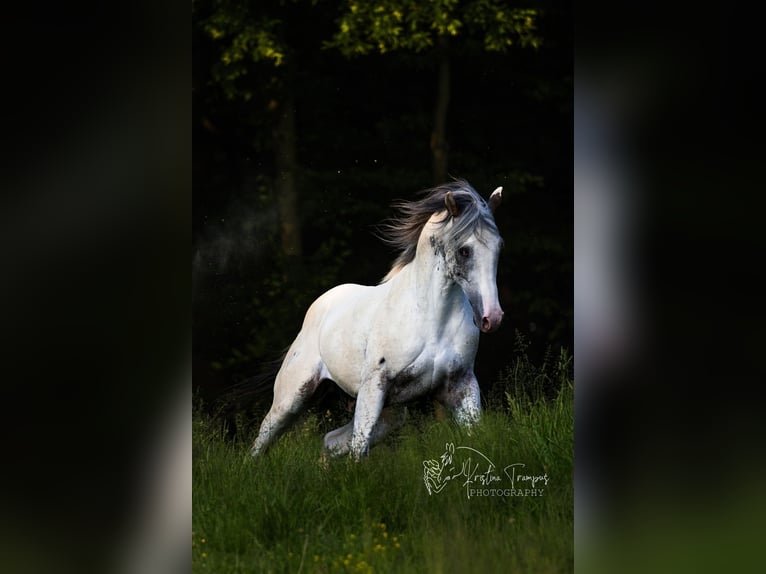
x=292, y=511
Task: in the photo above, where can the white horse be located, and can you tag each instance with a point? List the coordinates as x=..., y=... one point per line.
x=417, y=332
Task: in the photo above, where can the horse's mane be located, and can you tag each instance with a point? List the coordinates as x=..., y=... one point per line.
x=402, y=232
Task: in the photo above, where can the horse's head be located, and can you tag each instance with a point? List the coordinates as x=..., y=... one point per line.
x=471, y=247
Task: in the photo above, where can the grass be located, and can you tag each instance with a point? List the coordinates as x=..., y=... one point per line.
x=289, y=512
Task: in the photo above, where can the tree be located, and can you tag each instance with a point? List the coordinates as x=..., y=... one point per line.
x=248, y=35
x=434, y=27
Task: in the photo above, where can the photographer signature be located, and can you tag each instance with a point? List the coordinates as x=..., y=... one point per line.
x=478, y=473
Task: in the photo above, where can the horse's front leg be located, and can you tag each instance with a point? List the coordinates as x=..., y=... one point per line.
x=460, y=394
x=369, y=405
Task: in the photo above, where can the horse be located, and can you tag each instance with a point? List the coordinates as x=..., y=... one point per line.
x=415, y=333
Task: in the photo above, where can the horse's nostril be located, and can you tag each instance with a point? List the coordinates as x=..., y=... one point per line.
x=485, y=324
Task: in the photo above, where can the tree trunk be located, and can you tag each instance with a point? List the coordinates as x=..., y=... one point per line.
x=286, y=166
x=439, y=146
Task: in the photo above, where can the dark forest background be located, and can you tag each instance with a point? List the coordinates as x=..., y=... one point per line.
x=311, y=117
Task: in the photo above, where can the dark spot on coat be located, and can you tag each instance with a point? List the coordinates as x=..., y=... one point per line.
x=307, y=389
x=382, y=360
x=437, y=245
x=403, y=377
x=304, y=393
x=398, y=382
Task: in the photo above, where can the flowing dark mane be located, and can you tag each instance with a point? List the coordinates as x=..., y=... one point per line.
x=402, y=232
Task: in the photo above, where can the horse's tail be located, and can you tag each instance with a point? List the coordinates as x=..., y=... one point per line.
x=252, y=392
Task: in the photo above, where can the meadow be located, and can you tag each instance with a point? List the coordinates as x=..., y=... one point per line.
x=501, y=498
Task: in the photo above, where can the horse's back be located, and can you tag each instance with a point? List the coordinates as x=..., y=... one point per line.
x=336, y=302
x=339, y=308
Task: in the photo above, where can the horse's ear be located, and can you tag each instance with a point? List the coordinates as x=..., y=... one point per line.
x=496, y=199
x=451, y=204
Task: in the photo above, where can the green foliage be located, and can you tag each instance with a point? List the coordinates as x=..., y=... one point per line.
x=292, y=510
x=541, y=400
x=526, y=383
x=244, y=36
x=249, y=33
x=387, y=25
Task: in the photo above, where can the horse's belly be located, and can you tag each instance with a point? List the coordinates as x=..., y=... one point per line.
x=405, y=387
x=342, y=357
x=405, y=381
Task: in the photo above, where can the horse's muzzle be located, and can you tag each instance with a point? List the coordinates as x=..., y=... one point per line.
x=491, y=321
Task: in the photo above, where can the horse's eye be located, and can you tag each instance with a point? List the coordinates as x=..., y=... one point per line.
x=464, y=252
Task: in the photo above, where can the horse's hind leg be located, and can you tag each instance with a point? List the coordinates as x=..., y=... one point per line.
x=294, y=385
x=338, y=442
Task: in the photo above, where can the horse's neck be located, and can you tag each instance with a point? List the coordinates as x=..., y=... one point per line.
x=425, y=280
